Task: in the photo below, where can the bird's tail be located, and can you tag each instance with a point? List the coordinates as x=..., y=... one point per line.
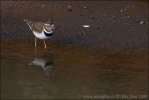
x=28, y=22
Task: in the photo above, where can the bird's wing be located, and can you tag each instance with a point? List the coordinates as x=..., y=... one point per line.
x=37, y=26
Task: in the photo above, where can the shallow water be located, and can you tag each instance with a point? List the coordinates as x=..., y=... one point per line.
x=73, y=73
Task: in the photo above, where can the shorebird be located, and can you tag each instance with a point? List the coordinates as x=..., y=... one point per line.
x=41, y=30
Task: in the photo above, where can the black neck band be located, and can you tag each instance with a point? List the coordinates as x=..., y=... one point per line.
x=48, y=34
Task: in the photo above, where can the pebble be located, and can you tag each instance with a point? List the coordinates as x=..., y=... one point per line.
x=121, y=10
x=141, y=22
x=81, y=14
x=42, y=5
x=92, y=17
x=98, y=27
x=86, y=26
x=69, y=8
x=84, y=7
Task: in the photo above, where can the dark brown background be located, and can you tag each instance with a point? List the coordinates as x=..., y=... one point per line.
x=114, y=24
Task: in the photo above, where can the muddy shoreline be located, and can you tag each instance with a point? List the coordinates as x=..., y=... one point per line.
x=114, y=25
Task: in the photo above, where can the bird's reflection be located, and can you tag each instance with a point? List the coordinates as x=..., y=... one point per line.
x=45, y=62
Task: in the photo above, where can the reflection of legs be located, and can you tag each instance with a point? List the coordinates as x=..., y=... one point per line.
x=35, y=51
x=45, y=46
x=35, y=42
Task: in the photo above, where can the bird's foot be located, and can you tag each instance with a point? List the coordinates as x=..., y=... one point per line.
x=45, y=47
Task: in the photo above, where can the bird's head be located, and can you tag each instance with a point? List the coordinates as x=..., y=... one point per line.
x=49, y=25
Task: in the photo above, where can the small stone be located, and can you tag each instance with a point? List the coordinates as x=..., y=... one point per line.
x=92, y=17
x=141, y=22
x=125, y=9
x=98, y=27
x=69, y=8
x=86, y=26
x=121, y=10
x=113, y=16
x=84, y=7
x=42, y=5
x=81, y=15
x=126, y=23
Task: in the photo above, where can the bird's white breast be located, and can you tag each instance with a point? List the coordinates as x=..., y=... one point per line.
x=40, y=35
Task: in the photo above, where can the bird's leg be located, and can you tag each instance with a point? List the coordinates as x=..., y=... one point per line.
x=35, y=51
x=45, y=46
x=35, y=42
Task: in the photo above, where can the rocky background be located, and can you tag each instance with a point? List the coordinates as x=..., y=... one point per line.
x=114, y=25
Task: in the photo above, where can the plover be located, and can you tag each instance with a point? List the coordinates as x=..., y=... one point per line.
x=41, y=30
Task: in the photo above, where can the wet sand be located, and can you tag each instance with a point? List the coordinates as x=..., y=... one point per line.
x=114, y=25
x=76, y=73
